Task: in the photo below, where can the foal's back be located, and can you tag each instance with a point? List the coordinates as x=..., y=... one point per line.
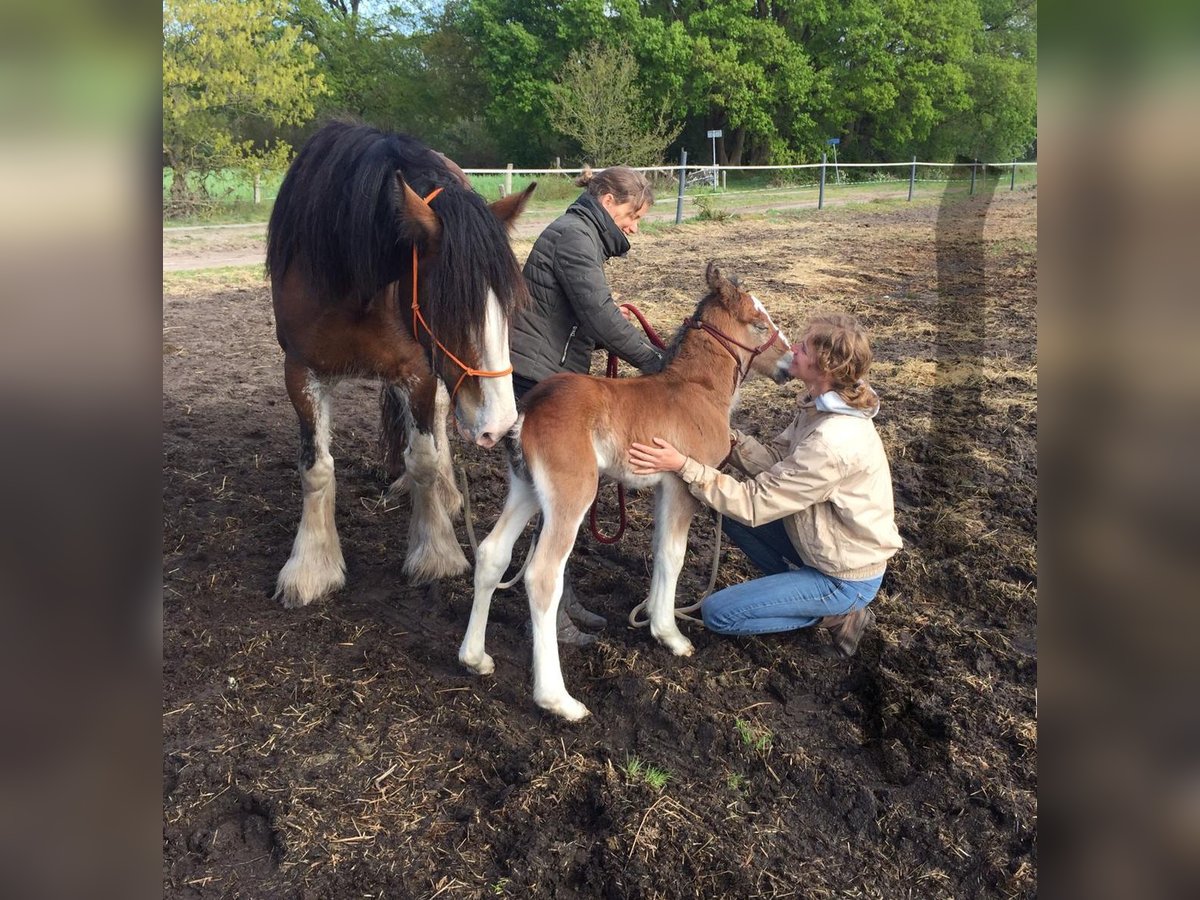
x=583, y=424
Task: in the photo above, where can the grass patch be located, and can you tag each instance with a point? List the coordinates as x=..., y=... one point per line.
x=207, y=280
x=756, y=738
x=636, y=770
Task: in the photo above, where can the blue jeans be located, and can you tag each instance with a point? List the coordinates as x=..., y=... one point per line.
x=786, y=598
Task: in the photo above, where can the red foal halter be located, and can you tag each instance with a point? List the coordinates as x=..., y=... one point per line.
x=725, y=340
x=417, y=317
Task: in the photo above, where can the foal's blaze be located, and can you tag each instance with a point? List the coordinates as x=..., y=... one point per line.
x=365, y=224
x=575, y=428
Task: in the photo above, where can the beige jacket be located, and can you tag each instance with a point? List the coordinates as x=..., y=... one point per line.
x=828, y=474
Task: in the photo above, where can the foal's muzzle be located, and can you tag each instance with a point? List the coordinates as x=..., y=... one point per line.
x=782, y=365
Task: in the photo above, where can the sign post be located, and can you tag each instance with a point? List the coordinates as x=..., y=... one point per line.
x=713, y=135
x=833, y=142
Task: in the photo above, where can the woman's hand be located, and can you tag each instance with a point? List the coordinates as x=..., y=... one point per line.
x=645, y=460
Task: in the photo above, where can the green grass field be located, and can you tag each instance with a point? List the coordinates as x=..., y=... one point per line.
x=232, y=192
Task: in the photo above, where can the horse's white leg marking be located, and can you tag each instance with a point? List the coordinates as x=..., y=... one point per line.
x=498, y=410
x=672, y=518
x=433, y=548
x=495, y=553
x=316, y=566
x=449, y=496
x=543, y=586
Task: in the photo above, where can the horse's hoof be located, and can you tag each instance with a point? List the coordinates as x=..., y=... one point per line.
x=566, y=707
x=425, y=565
x=485, y=666
x=296, y=588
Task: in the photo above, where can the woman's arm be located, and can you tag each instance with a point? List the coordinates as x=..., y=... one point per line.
x=586, y=289
x=793, y=484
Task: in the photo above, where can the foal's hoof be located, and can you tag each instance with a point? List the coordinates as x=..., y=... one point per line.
x=565, y=706
x=485, y=665
x=677, y=644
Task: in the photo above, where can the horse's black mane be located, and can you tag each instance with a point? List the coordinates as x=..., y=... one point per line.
x=336, y=220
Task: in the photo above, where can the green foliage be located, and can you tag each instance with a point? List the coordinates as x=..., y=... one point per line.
x=496, y=81
x=598, y=102
x=708, y=210
x=229, y=67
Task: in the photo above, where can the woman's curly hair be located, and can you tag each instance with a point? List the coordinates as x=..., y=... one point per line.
x=840, y=349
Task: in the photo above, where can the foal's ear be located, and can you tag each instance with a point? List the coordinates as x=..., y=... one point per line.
x=508, y=208
x=718, y=283
x=417, y=221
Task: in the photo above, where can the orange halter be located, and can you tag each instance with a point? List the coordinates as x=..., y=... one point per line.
x=417, y=317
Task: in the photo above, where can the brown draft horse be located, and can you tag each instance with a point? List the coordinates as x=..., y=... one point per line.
x=385, y=264
x=574, y=428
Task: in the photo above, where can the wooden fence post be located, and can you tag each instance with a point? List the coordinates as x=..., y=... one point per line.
x=912, y=178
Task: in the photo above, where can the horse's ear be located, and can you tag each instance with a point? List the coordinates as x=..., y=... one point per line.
x=508, y=208
x=718, y=283
x=417, y=221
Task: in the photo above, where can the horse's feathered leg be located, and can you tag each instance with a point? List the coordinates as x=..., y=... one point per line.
x=491, y=560
x=433, y=548
x=316, y=566
x=672, y=519
x=394, y=439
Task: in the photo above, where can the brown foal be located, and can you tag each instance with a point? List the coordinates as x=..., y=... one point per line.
x=575, y=428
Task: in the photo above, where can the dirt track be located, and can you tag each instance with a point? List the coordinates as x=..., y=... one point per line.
x=340, y=750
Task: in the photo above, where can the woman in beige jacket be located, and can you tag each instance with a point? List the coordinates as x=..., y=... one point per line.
x=816, y=514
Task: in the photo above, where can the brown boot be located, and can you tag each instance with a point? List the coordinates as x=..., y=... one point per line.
x=849, y=628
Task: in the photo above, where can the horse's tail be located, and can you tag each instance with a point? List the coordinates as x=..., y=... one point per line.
x=335, y=214
x=394, y=418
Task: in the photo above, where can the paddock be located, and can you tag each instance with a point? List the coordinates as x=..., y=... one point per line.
x=341, y=750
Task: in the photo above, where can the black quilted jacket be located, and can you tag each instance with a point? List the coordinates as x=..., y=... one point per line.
x=572, y=312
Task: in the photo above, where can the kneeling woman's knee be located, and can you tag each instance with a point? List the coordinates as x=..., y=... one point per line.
x=710, y=612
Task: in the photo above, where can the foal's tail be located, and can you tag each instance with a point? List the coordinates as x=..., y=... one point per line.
x=515, y=452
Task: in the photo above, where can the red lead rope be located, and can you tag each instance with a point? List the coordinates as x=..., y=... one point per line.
x=611, y=372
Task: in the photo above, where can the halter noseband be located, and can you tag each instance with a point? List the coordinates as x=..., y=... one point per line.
x=725, y=340
x=417, y=317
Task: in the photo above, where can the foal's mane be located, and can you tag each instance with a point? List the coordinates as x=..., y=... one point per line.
x=712, y=298
x=336, y=219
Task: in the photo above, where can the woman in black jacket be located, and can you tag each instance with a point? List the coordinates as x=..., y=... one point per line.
x=572, y=312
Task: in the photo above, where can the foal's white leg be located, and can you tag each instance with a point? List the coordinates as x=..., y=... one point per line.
x=493, y=557
x=316, y=566
x=433, y=548
x=544, y=585
x=672, y=519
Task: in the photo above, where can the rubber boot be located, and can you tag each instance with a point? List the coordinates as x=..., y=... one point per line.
x=568, y=631
x=849, y=628
x=584, y=618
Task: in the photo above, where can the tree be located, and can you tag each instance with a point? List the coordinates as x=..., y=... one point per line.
x=229, y=66
x=597, y=101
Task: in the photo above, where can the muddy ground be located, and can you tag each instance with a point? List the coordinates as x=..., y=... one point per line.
x=340, y=750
